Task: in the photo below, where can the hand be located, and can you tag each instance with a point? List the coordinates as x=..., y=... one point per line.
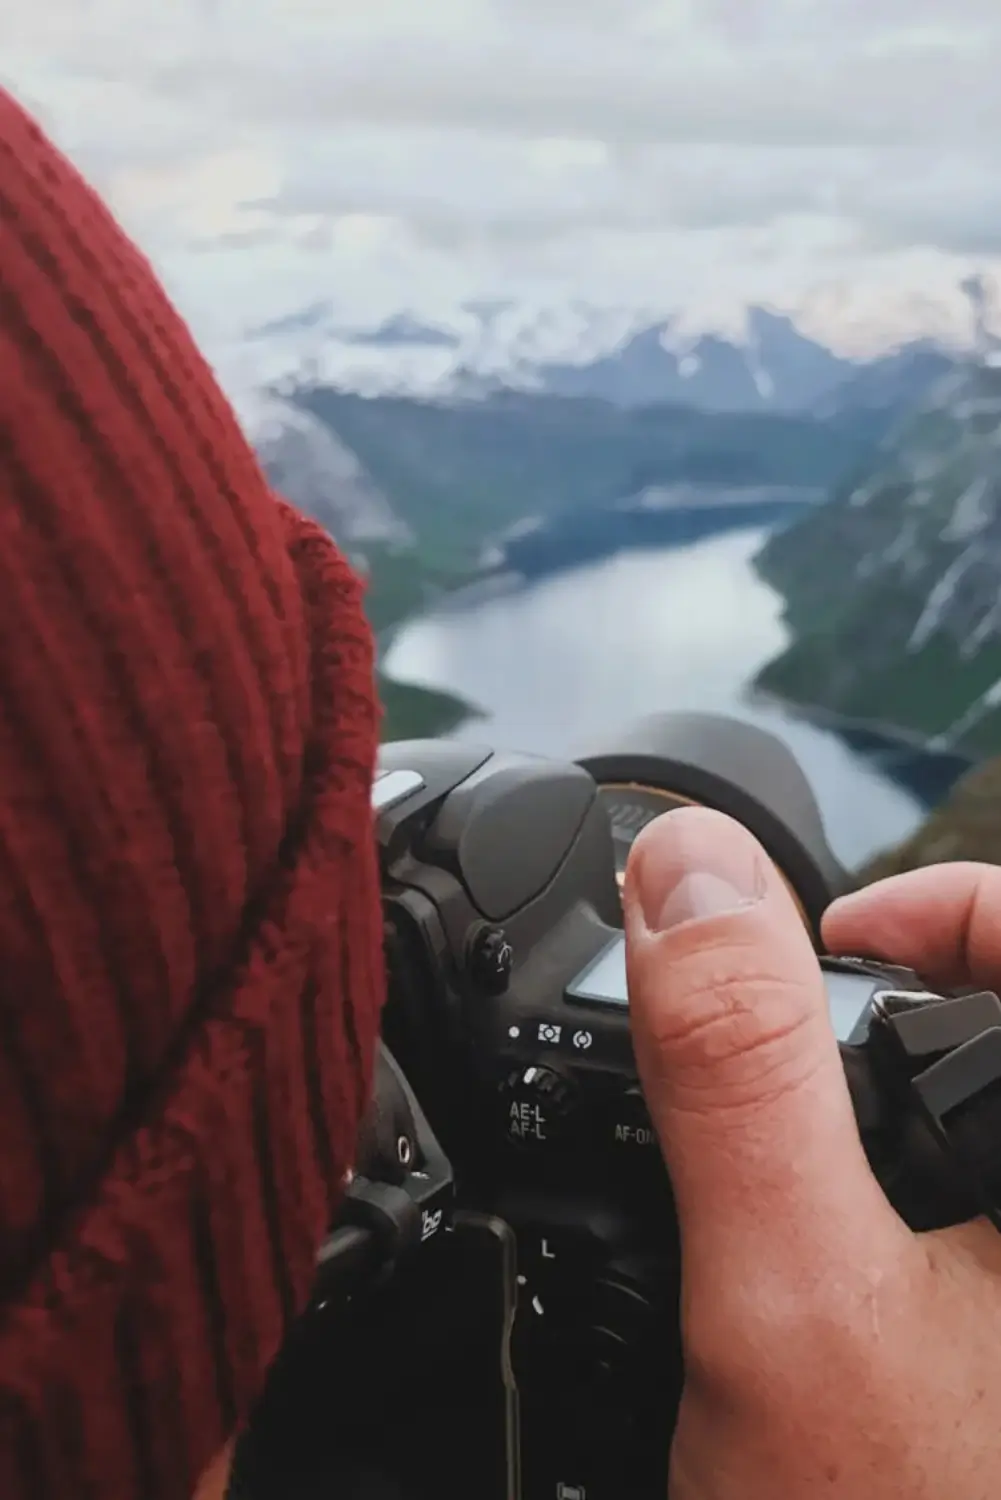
x=831, y=1354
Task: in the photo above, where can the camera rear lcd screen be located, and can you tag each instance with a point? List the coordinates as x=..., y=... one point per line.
x=603, y=981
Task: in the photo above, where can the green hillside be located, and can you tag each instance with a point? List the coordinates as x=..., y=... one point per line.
x=462, y=474
x=893, y=589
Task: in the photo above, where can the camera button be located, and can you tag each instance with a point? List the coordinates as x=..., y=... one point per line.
x=538, y=1104
x=627, y=1126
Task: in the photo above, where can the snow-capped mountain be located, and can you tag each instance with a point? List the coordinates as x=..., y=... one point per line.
x=626, y=357
x=901, y=624
x=775, y=368
x=504, y=437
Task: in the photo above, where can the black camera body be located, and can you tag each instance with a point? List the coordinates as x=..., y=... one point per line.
x=497, y=1309
x=497, y=898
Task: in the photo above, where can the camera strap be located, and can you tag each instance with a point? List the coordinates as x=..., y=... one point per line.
x=402, y=1195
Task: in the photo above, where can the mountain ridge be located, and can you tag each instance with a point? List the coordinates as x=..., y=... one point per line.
x=623, y=356
x=461, y=473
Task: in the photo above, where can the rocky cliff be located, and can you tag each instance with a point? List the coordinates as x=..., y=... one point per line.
x=306, y=460
x=893, y=589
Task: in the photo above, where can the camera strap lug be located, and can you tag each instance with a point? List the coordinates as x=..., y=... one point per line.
x=949, y=1052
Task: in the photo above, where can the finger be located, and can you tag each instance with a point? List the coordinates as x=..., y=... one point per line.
x=944, y=921
x=738, y=1058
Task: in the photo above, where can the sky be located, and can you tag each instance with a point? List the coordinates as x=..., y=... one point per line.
x=837, y=159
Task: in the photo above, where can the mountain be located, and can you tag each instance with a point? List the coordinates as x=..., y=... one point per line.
x=776, y=369
x=896, y=382
x=306, y=460
x=966, y=827
x=460, y=474
x=893, y=588
x=312, y=318
x=401, y=331
x=481, y=348
x=308, y=463
x=427, y=494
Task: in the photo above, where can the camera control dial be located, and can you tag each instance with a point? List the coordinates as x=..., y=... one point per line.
x=537, y=1103
x=626, y=1318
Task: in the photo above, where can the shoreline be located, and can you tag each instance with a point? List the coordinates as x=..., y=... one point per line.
x=893, y=736
x=482, y=586
x=455, y=711
x=462, y=711
x=479, y=587
x=887, y=742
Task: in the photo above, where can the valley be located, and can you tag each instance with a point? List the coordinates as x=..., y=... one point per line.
x=879, y=499
x=458, y=478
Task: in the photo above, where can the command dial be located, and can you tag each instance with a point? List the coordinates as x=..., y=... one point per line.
x=537, y=1104
x=628, y=1338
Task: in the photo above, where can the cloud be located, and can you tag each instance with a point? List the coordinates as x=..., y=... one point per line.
x=769, y=72
x=391, y=152
x=620, y=89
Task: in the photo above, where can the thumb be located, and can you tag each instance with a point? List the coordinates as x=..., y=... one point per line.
x=738, y=1058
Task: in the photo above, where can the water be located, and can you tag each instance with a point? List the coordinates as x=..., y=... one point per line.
x=561, y=661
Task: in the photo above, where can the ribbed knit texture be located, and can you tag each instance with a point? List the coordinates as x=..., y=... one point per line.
x=190, y=936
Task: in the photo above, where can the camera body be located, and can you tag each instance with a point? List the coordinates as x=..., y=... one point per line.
x=497, y=1309
x=498, y=895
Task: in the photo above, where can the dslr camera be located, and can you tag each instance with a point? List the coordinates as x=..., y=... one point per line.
x=496, y=1309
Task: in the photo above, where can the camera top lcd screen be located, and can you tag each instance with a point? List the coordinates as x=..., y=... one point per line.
x=848, y=1002
x=603, y=980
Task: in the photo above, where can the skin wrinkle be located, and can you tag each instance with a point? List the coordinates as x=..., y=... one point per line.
x=723, y=1017
x=723, y=1020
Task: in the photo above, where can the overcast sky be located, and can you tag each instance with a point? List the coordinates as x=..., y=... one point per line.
x=840, y=158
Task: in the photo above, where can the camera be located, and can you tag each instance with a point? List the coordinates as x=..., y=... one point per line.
x=496, y=1312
